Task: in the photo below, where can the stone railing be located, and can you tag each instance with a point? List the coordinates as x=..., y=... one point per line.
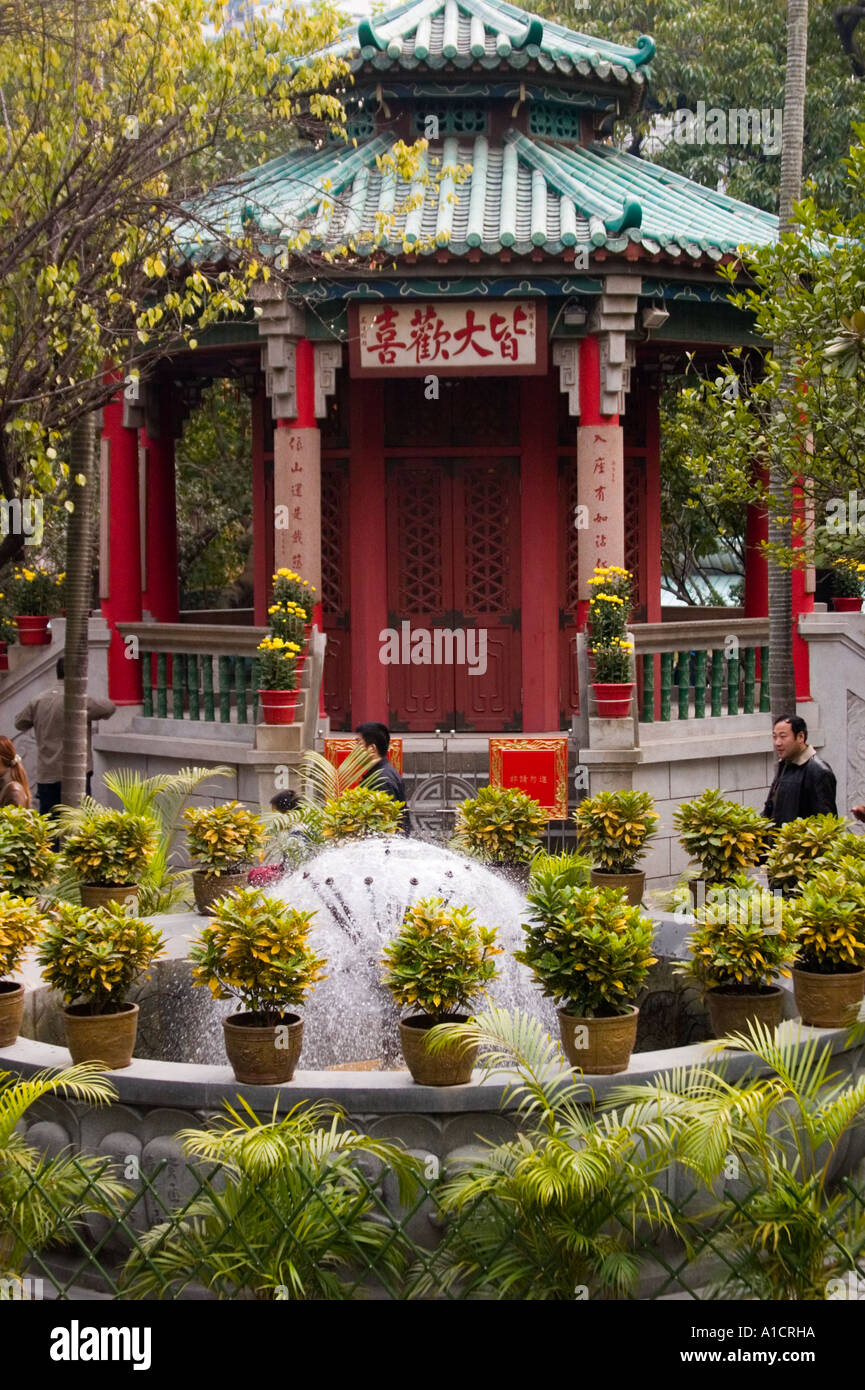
x=716, y=666
x=198, y=673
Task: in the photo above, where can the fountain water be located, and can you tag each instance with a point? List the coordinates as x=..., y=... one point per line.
x=360, y=892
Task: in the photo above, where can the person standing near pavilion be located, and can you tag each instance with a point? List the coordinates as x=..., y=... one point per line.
x=803, y=785
x=14, y=783
x=383, y=776
x=45, y=716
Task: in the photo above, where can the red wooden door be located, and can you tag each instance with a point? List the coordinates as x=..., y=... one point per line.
x=453, y=574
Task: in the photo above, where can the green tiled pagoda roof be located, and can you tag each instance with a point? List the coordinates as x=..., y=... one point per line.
x=526, y=194
x=436, y=34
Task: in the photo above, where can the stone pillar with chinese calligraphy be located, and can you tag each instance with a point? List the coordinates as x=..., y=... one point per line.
x=297, y=479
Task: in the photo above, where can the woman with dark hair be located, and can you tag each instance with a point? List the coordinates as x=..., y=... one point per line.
x=14, y=786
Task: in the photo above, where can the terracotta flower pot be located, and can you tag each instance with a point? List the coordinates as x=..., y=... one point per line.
x=33, y=631
x=263, y=1054
x=278, y=706
x=4, y=656
x=731, y=1010
x=100, y=895
x=847, y=604
x=11, y=1011
x=633, y=884
x=605, y=1045
x=208, y=887
x=450, y=1067
x=828, y=1001
x=106, y=1038
x=613, y=698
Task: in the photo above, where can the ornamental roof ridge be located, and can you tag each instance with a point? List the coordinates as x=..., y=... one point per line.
x=489, y=33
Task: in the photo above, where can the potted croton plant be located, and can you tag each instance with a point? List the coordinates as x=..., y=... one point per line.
x=828, y=917
x=359, y=812
x=21, y=922
x=610, y=648
x=613, y=829
x=256, y=950
x=590, y=950
x=93, y=956
x=224, y=840
x=800, y=847
x=36, y=595
x=743, y=940
x=501, y=826
x=108, y=852
x=724, y=838
x=439, y=961
x=28, y=865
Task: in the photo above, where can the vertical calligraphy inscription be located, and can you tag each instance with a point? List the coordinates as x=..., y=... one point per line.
x=600, y=487
x=297, y=502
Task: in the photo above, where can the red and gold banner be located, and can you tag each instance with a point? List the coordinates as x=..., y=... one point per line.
x=447, y=338
x=536, y=766
x=336, y=750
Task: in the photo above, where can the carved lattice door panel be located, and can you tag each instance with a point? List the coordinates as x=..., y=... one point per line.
x=334, y=590
x=453, y=568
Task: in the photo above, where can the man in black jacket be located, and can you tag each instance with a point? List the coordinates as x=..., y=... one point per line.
x=804, y=785
x=383, y=776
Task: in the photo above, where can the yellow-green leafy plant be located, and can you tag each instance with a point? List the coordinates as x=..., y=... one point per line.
x=589, y=950
x=28, y=865
x=440, y=960
x=723, y=837
x=36, y=593
x=93, y=955
x=566, y=867
x=223, y=839
x=848, y=847
x=277, y=663
x=800, y=847
x=110, y=848
x=256, y=949
x=359, y=812
x=848, y=577
x=500, y=825
x=21, y=922
x=743, y=938
x=614, y=828
x=611, y=660
x=828, y=917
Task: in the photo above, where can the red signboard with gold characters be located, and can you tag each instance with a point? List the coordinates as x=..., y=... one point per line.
x=536, y=766
x=336, y=750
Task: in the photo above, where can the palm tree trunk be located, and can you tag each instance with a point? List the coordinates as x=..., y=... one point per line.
x=782, y=685
x=79, y=576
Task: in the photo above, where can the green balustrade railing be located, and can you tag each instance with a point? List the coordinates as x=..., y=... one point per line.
x=702, y=669
x=190, y=671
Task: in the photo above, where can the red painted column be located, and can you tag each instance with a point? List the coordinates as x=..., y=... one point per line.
x=756, y=561
x=539, y=557
x=803, y=602
x=652, y=557
x=600, y=476
x=160, y=591
x=121, y=586
x=367, y=563
x=262, y=520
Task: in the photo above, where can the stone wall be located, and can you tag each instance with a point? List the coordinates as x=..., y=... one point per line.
x=836, y=642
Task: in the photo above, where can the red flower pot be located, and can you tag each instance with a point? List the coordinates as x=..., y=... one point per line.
x=4, y=656
x=847, y=605
x=613, y=699
x=277, y=706
x=33, y=632
x=299, y=664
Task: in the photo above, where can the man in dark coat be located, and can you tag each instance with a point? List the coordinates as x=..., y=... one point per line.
x=383, y=776
x=804, y=785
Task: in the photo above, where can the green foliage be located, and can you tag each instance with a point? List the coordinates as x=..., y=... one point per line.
x=277, y=663
x=549, y=1214
x=589, y=949
x=287, y=1214
x=359, y=812
x=829, y=919
x=722, y=836
x=45, y=1201
x=214, y=491
x=93, y=955
x=21, y=921
x=849, y=847
x=256, y=950
x=110, y=848
x=848, y=577
x=224, y=839
x=28, y=864
x=500, y=825
x=799, y=846
x=440, y=960
x=571, y=870
x=743, y=938
x=614, y=828
x=292, y=591
x=37, y=592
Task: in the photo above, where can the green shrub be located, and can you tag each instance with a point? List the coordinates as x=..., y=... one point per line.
x=614, y=828
x=571, y=870
x=36, y=593
x=723, y=837
x=829, y=919
x=797, y=848
x=440, y=960
x=21, y=922
x=93, y=955
x=255, y=949
x=223, y=839
x=111, y=848
x=588, y=948
x=359, y=812
x=27, y=862
x=743, y=938
x=500, y=826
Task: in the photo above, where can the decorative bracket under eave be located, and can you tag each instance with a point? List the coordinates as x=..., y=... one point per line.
x=281, y=323
x=613, y=317
x=566, y=356
x=328, y=360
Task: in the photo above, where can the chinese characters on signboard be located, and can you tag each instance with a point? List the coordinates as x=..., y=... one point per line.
x=451, y=339
x=536, y=766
